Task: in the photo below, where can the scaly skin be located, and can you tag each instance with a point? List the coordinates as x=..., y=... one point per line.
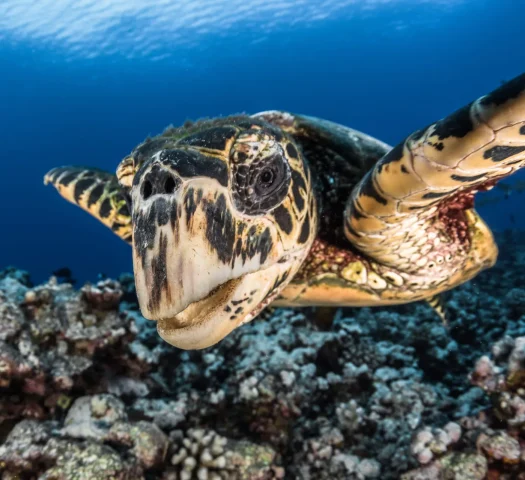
x=97, y=192
x=407, y=212
x=210, y=254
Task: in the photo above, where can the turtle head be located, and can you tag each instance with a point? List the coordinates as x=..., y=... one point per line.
x=222, y=219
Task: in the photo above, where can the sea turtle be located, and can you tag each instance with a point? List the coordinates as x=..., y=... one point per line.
x=228, y=215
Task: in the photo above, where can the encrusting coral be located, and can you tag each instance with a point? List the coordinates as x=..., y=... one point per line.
x=491, y=444
x=89, y=391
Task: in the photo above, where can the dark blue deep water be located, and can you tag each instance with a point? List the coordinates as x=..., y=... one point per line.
x=84, y=82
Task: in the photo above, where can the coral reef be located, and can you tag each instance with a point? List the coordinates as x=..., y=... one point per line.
x=89, y=390
x=491, y=444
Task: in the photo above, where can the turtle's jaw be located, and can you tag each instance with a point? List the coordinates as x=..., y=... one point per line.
x=205, y=322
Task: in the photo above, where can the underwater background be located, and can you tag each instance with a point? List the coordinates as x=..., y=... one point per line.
x=88, y=389
x=84, y=82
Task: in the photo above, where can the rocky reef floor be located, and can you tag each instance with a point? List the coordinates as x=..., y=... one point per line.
x=89, y=391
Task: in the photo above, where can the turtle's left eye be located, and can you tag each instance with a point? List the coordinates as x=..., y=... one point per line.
x=262, y=185
x=269, y=177
x=265, y=179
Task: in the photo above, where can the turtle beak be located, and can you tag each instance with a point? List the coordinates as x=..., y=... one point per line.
x=205, y=322
x=200, y=269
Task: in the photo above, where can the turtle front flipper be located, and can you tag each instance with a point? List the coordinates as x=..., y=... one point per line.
x=413, y=212
x=97, y=192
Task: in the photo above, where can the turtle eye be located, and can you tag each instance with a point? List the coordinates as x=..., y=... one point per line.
x=262, y=185
x=265, y=179
x=268, y=178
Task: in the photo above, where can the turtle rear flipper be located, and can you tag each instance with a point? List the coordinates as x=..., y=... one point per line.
x=97, y=192
x=438, y=304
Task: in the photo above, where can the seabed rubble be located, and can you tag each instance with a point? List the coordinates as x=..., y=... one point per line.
x=90, y=391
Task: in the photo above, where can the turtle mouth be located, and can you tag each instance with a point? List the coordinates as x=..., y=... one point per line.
x=207, y=321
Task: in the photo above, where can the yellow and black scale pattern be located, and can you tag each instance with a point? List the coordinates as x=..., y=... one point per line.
x=296, y=214
x=98, y=193
x=413, y=211
x=226, y=151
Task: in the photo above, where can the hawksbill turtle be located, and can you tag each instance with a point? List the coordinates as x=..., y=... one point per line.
x=228, y=215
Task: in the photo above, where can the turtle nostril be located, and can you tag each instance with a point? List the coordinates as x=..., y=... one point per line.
x=169, y=185
x=147, y=190
x=158, y=182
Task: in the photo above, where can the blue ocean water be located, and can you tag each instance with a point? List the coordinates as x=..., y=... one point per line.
x=84, y=82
